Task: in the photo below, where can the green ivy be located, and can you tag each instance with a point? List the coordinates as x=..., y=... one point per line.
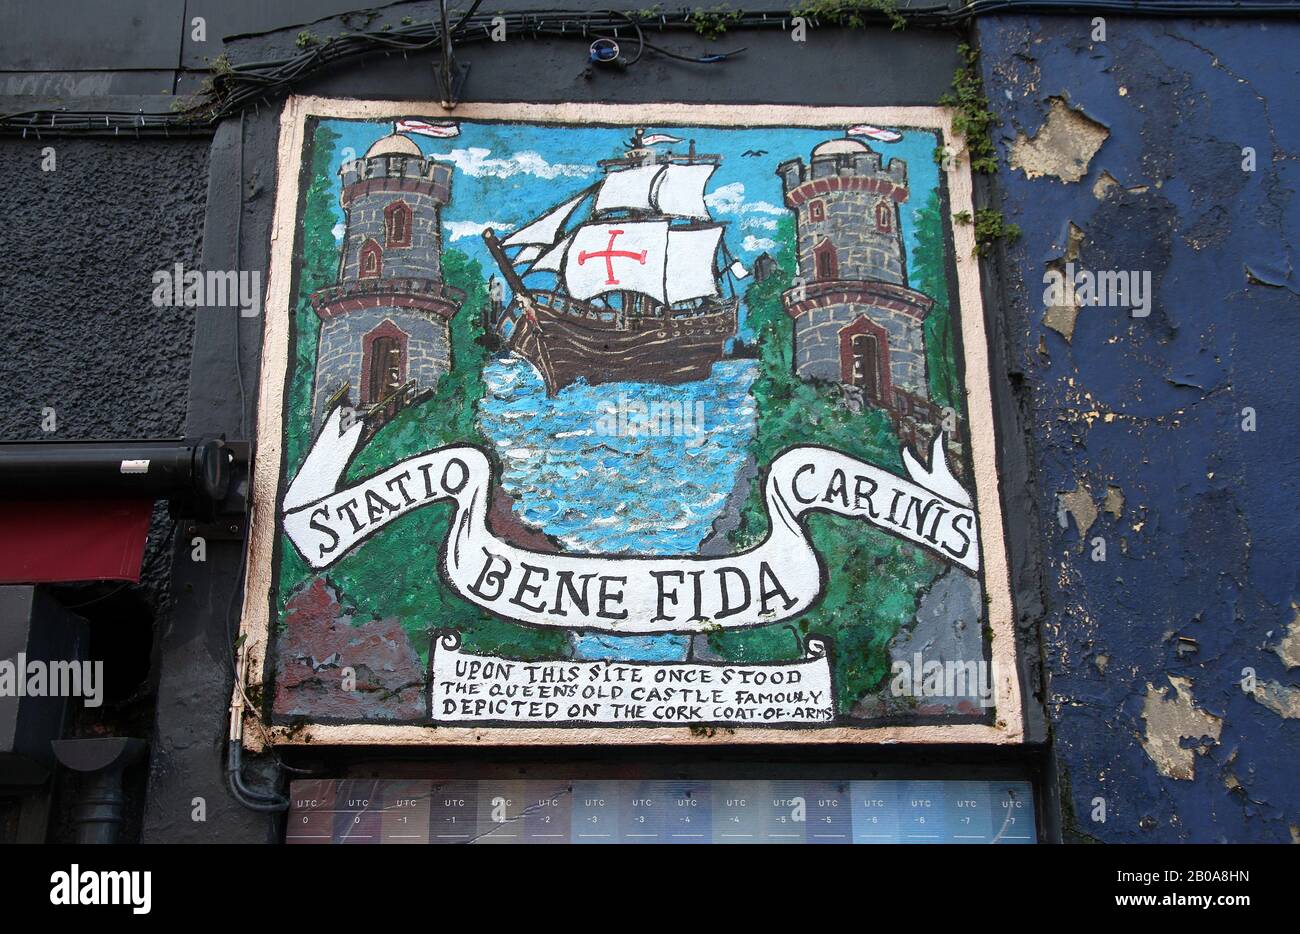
x=972, y=118
x=990, y=227
x=974, y=121
x=714, y=21
x=852, y=14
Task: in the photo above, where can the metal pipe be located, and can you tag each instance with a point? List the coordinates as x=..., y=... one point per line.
x=141, y=469
x=100, y=806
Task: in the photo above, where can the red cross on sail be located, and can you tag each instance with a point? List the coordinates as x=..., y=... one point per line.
x=628, y=256
x=608, y=256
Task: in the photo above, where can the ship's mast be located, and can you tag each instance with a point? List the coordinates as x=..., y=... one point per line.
x=508, y=271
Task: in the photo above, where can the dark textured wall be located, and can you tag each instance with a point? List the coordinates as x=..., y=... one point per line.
x=1138, y=422
x=78, y=248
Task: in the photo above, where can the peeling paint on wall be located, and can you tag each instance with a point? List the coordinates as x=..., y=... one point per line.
x=1181, y=424
x=1061, y=317
x=1282, y=699
x=1114, y=502
x=1169, y=721
x=1078, y=503
x=1062, y=147
x=1289, y=648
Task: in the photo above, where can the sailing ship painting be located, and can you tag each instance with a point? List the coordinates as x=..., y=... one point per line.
x=648, y=423
x=635, y=270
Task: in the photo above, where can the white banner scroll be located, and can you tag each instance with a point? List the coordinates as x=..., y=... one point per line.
x=483, y=689
x=777, y=579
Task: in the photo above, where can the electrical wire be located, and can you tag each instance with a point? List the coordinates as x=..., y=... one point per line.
x=249, y=84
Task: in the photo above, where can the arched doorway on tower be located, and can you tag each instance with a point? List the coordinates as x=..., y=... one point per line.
x=383, y=363
x=864, y=359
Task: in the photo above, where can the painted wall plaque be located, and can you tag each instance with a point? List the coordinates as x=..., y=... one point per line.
x=653, y=423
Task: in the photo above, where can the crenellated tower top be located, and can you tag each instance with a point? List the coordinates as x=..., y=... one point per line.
x=847, y=202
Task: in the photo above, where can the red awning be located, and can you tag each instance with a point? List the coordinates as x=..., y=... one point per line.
x=52, y=541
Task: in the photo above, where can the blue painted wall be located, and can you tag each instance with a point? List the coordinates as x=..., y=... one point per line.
x=1205, y=547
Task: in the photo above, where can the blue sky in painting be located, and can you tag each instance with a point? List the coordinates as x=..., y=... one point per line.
x=509, y=173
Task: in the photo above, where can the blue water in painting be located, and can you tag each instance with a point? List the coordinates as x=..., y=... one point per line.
x=635, y=468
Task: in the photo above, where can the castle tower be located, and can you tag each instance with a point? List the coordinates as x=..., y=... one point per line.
x=384, y=335
x=855, y=319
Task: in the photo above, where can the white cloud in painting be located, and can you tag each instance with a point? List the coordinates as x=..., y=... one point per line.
x=461, y=229
x=730, y=199
x=762, y=223
x=478, y=162
x=752, y=244
x=339, y=230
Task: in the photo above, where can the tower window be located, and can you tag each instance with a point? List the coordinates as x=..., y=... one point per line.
x=816, y=211
x=884, y=217
x=826, y=262
x=397, y=224
x=372, y=260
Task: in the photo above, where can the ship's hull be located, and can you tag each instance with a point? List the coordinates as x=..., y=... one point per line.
x=569, y=340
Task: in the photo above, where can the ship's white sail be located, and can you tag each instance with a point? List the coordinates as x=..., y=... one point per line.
x=679, y=190
x=668, y=265
x=628, y=189
x=550, y=261
x=617, y=257
x=689, y=273
x=544, y=230
x=669, y=189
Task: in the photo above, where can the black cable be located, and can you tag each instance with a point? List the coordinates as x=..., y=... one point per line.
x=640, y=38
x=701, y=60
x=250, y=798
x=466, y=18
x=249, y=83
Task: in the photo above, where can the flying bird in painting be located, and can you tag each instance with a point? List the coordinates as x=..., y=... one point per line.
x=754, y=152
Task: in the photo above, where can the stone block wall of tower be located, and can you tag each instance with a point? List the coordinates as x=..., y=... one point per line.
x=850, y=187
x=340, y=355
x=370, y=187
x=852, y=266
x=818, y=348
